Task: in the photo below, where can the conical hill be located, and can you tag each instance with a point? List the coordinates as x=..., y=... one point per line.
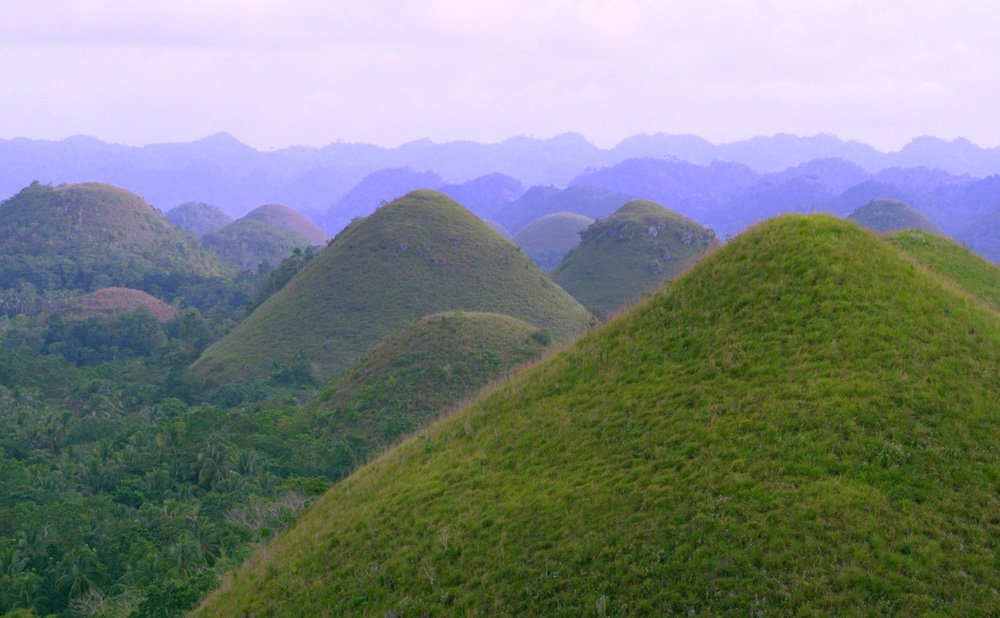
x=248, y=243
x=198, y=218
x=805, y=423
x=884, y=215
x=418, y=373
x=547, y=239
x=421, y=254
x=92, y=235
x=285, y=218
x=118, y=300
x=630, y=252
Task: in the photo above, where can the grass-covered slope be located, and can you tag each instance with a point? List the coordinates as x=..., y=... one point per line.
x=951, y=260
x=119, y=300
x=803, y=424
x=884, y=215
x=246, y=243
x=421, y=254
x=416, y=374
x=92, y=235
x=630, y=252
x=548, y=239
x=198, y=218
x=285, y=218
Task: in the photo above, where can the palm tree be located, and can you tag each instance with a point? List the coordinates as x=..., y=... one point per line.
x=80, y=571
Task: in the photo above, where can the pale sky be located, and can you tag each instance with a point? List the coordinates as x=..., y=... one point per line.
x=280, y=72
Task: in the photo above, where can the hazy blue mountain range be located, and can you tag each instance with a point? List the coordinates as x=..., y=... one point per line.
x=223, y=171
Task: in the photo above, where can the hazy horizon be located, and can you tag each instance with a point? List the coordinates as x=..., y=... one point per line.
x=304, y=72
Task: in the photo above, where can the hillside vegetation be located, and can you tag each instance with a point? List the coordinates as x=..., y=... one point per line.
x=630, y=252
x=415, y=375
x=285, y=218
x=92, y=235
x=548, y=239
x=198, y=218
x=885, y=215
x=421, y=254
x=120, y=300
x=822, y=441
x=248, y=243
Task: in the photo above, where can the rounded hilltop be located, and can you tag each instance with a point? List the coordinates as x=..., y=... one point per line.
x=420, y=254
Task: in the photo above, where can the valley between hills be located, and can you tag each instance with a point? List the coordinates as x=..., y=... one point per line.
x=545, y=380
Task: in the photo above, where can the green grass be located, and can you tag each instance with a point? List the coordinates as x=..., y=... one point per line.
x=952, y=261
x=420, y=254
x=548, y=239
x=882, y=216
x=628, y=253
x=285, y=218
x=417, y=374
x=805, y=423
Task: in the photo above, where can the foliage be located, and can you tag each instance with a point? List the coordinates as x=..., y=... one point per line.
x=198, y=218
x=804, y=423
x=253, y=245
x=285, y=218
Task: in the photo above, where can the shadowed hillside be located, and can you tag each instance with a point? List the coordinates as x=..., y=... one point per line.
x=805, y=423
x=546, y=240
x=633, y=251
x=198, y=218
x=420, y=254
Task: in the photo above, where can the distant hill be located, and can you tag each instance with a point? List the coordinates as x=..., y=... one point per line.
x=633, y=251
x=983, y=235
x=805, y=423
x=837, y=174
x=118, y=300
x=415, y=375
x=485, y=195
x=537, y=202
x=92, y=235
x=420, y=254
x=285, y=218
x=881, y=216
x=546, y=240
x=198, y=218
x=247, y=243
x=374, y=189
x=499, y=228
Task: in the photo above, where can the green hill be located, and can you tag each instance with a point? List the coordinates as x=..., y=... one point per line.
x=630, y=252
x=285, y=218
x=119, y=300
x=416, y=374
x=983, y=235
x=883, y=215
x=92, y=235
x=548, y=239
x=246, y=243
x=421, y=254
x=805, y=423
x=951, y=260
x=198, y=218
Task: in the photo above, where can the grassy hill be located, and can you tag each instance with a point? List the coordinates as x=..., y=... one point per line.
x=951, y=260
x=118, y=300
x=285, y=218
x=246, y=243
x=537, y=202
x=92, y=235
x=416, y=374
x=803, y=424
x=548, y=239
x=421, y=254
x=630, y=252
x=885, y=215
x=198, y=218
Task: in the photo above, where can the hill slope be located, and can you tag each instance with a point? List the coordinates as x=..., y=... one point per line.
x=421, y=254
x=285, y=218
x=415, y=375
x=120, y=299
x=819, y=441
x=885, y=215
x=246, y=243
x=198, y=218
x=92, y=235
x=548, y=239
x=633, y=251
